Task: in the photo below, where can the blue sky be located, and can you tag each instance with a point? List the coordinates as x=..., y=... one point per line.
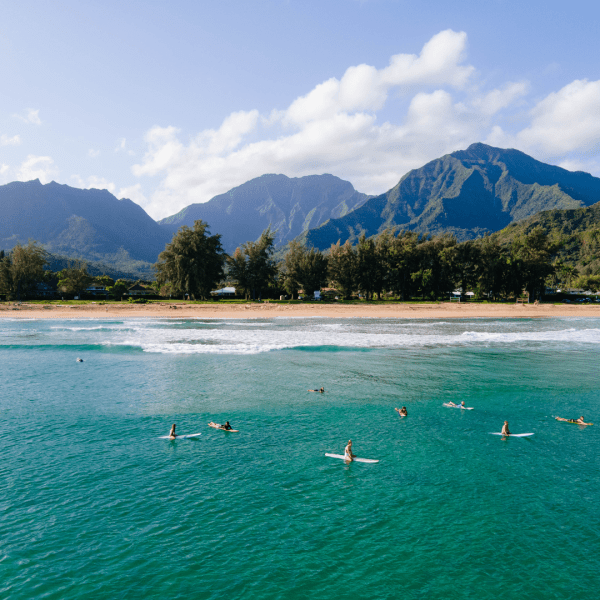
x=170, y=103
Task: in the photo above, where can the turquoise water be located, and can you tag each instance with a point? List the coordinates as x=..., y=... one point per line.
x=93, y=505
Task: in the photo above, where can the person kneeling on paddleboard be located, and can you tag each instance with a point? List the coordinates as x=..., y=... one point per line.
x=505, y=430
x=348, y=451
x=172, y=433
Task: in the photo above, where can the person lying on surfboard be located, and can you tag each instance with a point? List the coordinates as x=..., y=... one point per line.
x=348, y=451
x=172, y=434
x=321, y=391
x=505, y=430
x=580, y=421
x=402, y=411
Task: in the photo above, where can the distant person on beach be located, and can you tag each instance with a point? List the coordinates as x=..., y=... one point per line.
x=172, y=434
x=348, y=455
x=505, y=430
x=580, y=421
x=402, y=411
x=321, y=391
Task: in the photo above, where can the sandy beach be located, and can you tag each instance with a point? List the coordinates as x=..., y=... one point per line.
x=442, y=310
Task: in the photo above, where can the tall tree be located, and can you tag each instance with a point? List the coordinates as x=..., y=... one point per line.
x=252, y=265
x=74, y=279
x=192, y=262
x=21, y=268
x=402, y=262
x=304, y=268
x=342, y=268
x=534, y=251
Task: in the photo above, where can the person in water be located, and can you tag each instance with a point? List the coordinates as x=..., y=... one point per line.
x=348, y=455
x=580, y=421
x=172, y=434
x=321, y=391
x=402, y=411
x=505, y=430
x=227, y=426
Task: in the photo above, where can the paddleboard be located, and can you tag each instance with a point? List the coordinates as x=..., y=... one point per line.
x=217, y=426
x=512, y=434
x=180, y=437
x=365, y=460
x=459, y=406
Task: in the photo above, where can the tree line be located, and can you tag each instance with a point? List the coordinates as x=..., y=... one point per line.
x=402, y=265
x=22, y=271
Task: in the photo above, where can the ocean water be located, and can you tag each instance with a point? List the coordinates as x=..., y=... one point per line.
x=94, y=505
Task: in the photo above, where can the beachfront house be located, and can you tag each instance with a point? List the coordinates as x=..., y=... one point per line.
x=139, y=290
x=226, y=292
x=96, y=290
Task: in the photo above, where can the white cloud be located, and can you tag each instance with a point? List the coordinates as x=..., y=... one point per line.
x=121, y=145
x=3, y=169
x=93, y=182
x=566, y=121
x=37, y=167
x=133, y=192
x=15, y=140
x=93, y=153
x=31, y=116
x=434, y=106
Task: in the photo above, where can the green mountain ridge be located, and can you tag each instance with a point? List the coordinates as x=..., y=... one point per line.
x=576, y=230
x=289, y=205
x=467, y=193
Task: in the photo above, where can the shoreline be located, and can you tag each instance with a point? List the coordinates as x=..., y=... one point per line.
x=442, y=310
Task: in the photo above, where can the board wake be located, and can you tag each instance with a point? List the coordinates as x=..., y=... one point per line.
x=457, y=406
x=364, y=460
x=180, y=437
x=512, y=434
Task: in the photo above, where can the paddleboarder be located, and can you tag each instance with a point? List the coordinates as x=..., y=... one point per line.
x=348, y=455
x=172, y=434
x=505, y=430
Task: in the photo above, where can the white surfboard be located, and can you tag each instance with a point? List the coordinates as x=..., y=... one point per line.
x=365, y=460
x=457, y=406
x=180, y=437
x=512, y=434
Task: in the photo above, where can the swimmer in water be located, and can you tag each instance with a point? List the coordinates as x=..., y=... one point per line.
x=402, y=411
x=580, y=421
x=321, y=391
x=172, y=434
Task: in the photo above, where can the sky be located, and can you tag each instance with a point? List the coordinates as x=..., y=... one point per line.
x=171, y=103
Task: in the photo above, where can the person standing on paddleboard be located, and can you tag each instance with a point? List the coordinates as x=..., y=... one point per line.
x=172, y=433
x=505, y=430
x=348, y=451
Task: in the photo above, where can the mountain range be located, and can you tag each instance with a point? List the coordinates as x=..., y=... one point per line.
x=467, y=193
x=290, y=206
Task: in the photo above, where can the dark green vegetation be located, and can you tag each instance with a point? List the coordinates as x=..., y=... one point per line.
x=467, y=193
x=252, y=267
x=289, y=206
x=90, y=225
x=576, y=236
x=192, y=263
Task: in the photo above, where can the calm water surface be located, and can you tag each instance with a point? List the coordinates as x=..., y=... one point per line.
x=94, y=505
